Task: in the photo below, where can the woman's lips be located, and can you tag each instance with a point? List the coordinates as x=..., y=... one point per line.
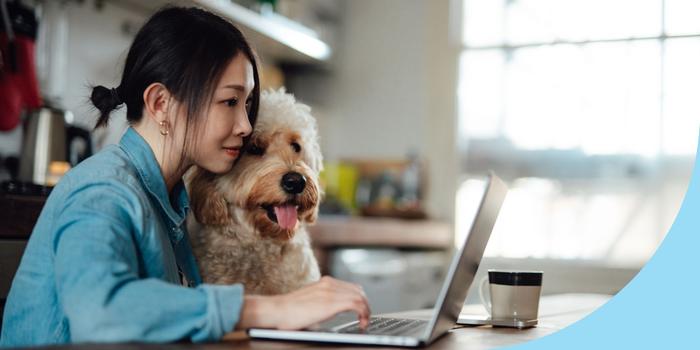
x=232, y=152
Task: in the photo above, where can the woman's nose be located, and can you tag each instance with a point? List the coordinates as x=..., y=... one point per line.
x=243, y=128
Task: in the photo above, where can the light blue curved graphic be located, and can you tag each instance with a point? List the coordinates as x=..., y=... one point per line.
x=660, y=307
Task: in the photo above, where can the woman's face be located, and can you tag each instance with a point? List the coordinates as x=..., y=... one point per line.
x=218, y=141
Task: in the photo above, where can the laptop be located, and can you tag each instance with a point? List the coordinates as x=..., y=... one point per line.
x=413, y=332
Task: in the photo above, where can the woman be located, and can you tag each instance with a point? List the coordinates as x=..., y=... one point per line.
x=109, y=255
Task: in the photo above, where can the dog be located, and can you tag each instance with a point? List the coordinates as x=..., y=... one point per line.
x=248, y=226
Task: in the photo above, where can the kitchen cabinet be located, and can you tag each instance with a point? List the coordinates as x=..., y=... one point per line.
x=10, y=254
x=17, y=217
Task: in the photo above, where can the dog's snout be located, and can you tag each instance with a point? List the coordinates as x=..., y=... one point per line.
x=293, y=183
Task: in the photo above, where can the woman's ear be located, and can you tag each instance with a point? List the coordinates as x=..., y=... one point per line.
x=208, y=204
x=156, y=98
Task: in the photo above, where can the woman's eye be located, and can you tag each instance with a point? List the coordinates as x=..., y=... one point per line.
x=232, y=102
x=296, y=147
x=255, y=150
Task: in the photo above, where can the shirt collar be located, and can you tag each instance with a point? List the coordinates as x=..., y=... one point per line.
x=147, y=166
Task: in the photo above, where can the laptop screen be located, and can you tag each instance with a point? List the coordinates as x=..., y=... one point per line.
x=466, y=261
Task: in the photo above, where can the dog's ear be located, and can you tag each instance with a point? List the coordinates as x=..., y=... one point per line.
x=208, y=204
x=311, y=216
x=313, y=156
x=315, y=192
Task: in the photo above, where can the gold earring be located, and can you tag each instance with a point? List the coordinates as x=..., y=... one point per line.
x=164, y=127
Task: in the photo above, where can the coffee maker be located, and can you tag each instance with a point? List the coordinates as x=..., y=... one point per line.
x=50, y=140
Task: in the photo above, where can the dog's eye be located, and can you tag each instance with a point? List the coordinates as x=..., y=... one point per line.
x=296, y=147
x=255, y=150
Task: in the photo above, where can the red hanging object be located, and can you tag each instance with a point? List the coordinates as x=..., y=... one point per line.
x=18, y=89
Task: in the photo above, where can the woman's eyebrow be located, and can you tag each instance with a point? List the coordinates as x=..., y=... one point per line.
x=235, y=87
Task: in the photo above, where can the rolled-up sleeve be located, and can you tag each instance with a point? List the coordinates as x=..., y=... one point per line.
x=96, y=256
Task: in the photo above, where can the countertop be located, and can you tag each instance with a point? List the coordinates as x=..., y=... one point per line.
x=18, y=213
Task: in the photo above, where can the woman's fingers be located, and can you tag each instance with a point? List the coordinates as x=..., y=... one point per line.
x=324, y=299
x=351, y=297
x=342, y=286
x=363, y=313
x=351, y=286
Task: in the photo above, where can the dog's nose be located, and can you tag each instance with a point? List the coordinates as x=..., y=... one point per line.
x=293, y=183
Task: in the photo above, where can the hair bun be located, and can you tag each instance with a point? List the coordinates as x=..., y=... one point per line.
x=105, y=100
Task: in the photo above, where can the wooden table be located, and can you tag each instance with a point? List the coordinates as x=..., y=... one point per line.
x=556, y=312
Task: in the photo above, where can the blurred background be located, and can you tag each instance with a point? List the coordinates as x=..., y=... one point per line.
x=588, y=110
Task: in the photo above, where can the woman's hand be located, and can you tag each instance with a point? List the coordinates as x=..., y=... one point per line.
x=305, y=307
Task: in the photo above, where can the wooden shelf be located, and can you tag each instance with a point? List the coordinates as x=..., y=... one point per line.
x=342, y=231
x=19, y=214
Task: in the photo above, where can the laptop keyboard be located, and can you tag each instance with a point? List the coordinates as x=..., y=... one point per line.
x=385, y=326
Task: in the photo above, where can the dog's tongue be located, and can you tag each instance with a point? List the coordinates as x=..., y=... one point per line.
x=286, y=216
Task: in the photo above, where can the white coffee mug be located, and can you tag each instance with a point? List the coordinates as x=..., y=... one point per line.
x=515, y=295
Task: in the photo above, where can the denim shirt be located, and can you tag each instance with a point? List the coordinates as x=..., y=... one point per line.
x=102, y=261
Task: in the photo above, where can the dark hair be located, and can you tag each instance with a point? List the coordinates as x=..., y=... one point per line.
x=186, y=50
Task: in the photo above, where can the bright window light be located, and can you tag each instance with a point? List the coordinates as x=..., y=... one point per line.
x=589, y=109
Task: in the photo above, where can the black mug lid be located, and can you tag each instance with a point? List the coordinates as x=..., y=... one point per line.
x=516, y=278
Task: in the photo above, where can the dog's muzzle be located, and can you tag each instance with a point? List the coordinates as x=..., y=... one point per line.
x=293, y=183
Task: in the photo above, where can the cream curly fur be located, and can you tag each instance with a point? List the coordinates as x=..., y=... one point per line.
x=232, y=235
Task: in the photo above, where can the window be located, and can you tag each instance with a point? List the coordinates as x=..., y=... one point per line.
x=589, y=109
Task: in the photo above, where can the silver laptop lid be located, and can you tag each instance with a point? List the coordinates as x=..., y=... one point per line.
x=465, y=262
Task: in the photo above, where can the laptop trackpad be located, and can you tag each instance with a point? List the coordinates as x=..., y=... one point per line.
x=340, y=319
